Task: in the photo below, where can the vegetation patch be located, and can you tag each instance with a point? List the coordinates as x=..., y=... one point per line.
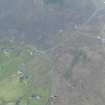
x=21, y=80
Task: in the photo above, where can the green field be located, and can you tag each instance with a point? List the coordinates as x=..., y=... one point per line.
x=24, y=78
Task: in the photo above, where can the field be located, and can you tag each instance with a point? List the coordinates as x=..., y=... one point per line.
x=21, y=70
